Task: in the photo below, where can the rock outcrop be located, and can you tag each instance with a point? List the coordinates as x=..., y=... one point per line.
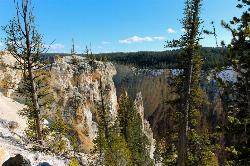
x=9, y=78
x=145, y=124
x=18, y=160
x=76, y=84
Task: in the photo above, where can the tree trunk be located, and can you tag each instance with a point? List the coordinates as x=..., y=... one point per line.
x=103, y=114
x=35, y=104
x=193, y=24
x=248, y=94
x=183, y=132
x=30, y=73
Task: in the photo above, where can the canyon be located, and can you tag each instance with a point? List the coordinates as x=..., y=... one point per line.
x=77, y=81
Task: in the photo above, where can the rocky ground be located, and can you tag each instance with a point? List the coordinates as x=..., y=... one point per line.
x=11, y=136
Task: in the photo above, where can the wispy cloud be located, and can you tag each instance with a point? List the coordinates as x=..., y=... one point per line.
x=171, y=30
x=137, y=39
x=57, y=47
x=159, y=38
x=105, y=42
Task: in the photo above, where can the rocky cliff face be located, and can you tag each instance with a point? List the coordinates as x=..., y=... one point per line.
x=155, y=89
x=76, y=83
x=9, y=78
x=145, y=124
x=155, y=92
x=153, y=85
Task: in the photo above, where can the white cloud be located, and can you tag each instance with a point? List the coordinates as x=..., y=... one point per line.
x=171, y=30
x=159, y=38
x=1, y=44
x=183, y=30
x=57, y=47
x=106, y=42
x=137, y=39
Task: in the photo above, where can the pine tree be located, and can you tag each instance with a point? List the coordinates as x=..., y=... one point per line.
x=110, y=145
x=238, y=114
x=200, y=148
x=190, y=44
x=45, y=99
x=165, y=152
x=58, y=130
x=25, y=44
x=131, y=128
x=194, y=146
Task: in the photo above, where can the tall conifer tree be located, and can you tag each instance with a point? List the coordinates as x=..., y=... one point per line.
x=132, y=129
x=110, y=145
x=189, y=42
x=238, y=114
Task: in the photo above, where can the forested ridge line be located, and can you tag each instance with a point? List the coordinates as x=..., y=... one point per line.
x=212, y=57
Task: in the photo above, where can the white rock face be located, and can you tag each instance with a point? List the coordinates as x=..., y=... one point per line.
x=76, y=80
x=13, y=77
x=145, y=124
x=82, y=78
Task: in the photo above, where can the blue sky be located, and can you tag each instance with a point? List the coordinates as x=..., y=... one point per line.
x=117, y=25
